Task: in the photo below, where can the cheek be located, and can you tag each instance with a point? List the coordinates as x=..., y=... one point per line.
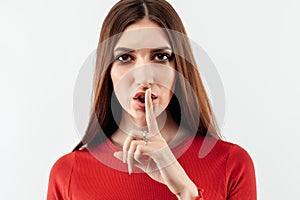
x=115, y=76
x=167, y=95
x=170, y=96
x=121, y=85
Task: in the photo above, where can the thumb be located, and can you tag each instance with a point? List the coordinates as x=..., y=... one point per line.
x=119, y=155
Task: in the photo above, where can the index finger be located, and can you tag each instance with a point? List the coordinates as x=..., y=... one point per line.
x=150, y=116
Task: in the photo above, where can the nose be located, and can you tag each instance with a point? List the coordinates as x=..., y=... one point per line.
x=143, y=72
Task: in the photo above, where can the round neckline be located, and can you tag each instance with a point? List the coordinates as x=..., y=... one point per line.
x=178, y=150
x=104, y=152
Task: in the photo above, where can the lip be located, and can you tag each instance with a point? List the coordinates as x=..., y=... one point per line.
x=153, y=96
x=141, y=105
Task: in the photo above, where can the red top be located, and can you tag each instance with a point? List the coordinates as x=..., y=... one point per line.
x=226, y=173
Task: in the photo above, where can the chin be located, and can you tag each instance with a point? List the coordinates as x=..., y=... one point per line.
x=138, y=119
x=138, y=115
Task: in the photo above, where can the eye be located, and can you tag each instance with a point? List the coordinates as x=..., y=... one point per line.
x=162, y=57
x=124, y=58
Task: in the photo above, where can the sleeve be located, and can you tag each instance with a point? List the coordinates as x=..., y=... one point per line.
x=200, y=195
x=60, y=177
x=240, y=175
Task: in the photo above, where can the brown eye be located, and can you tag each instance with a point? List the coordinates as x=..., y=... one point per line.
x=124, y=58
x=162, y=57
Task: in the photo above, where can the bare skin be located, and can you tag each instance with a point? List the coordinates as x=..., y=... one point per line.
x=161, y=164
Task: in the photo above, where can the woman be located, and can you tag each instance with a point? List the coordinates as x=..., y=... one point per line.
x=150, y=116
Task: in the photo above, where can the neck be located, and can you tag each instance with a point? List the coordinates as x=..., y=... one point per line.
x=167, y=126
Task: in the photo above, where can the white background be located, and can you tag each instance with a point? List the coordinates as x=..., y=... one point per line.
x=254, y=45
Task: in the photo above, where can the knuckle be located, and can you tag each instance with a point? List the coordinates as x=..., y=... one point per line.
x=125, y=147
x=138, y=149
x=134, y=143
x=131, y=150
x=136, y=156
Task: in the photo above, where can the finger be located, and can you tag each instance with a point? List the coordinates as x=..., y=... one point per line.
x=126, y=146
x=134, y=153
x=138, y=155
x=130, y=153
x=150, y=116
x=119, y=155
x=142, y=164
x=149, y=166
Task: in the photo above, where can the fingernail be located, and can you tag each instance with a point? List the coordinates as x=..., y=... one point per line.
x=117, y=155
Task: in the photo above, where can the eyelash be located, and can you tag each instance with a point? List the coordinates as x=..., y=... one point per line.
x=168, y=58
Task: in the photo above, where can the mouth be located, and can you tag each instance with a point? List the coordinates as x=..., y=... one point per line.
x=140, y=96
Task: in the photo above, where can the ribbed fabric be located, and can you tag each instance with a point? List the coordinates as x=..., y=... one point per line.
x=226, y=173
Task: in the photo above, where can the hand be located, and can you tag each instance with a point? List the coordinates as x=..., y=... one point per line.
x=161, y=165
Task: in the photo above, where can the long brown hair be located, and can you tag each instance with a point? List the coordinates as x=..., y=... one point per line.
x=102, y=124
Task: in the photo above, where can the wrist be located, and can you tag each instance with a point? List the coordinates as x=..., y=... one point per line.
x=188, y=193
x=200, y=196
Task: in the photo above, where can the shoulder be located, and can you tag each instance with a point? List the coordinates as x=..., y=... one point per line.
x=60, y=176
x=236, y=154
x=240, y=172
x=232, y=155
x=226, y=148
x=66, y=163
x=235, y=164
x=61, y=170
x=63, y=164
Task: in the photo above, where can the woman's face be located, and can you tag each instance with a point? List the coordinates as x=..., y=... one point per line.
x=143, y=58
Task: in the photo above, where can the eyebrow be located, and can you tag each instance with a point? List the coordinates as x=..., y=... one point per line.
x=161, y=49
x=125, y=49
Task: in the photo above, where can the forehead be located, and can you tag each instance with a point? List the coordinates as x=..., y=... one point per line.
x=143, y=34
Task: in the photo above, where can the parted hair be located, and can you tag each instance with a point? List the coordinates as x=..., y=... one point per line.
x=102, y=123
